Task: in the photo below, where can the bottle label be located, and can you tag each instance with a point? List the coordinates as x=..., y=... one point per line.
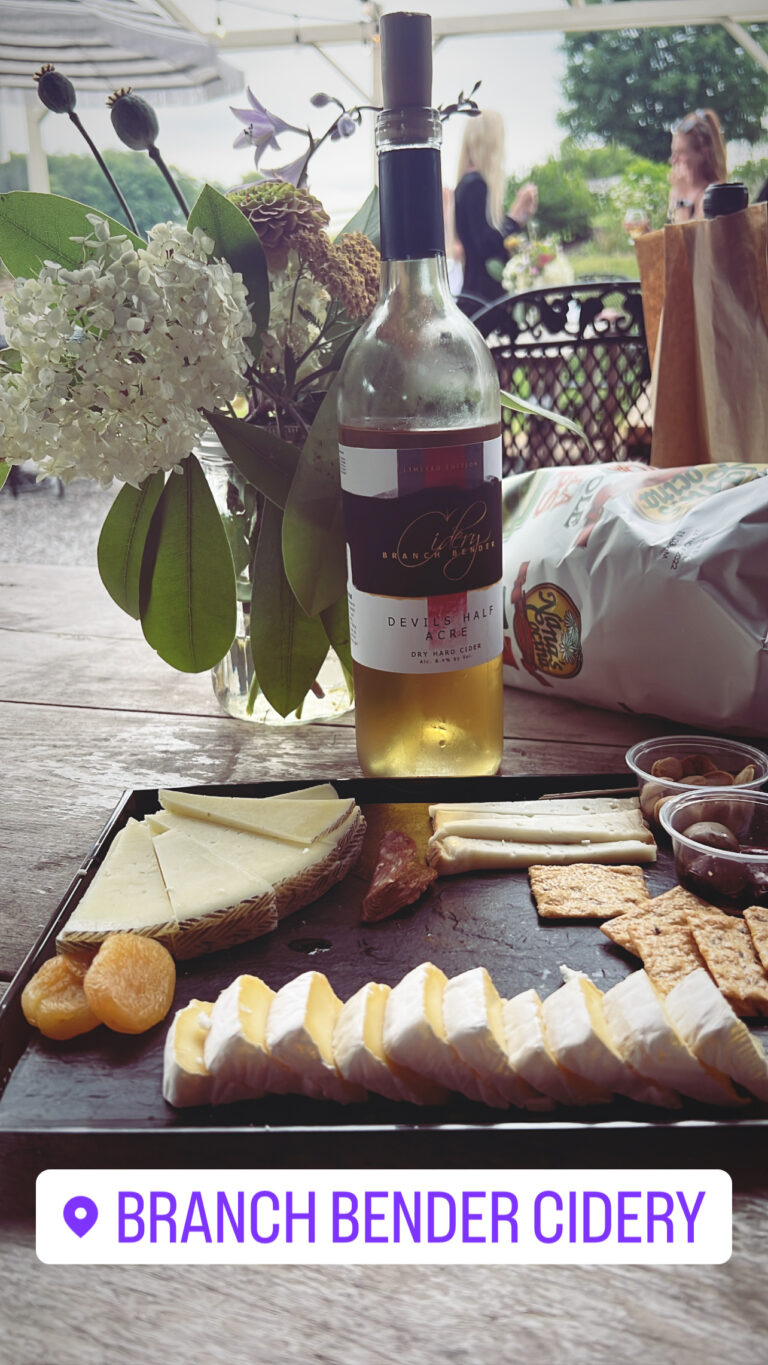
x=423, y=528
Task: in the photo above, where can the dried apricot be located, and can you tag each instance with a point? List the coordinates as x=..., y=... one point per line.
x=54, y=1001
x=130, y=983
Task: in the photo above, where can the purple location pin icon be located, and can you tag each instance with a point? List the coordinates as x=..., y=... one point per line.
x=80, y=1214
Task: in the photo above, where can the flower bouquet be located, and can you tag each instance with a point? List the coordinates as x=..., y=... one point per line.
x=534, y=264
x=123, y=353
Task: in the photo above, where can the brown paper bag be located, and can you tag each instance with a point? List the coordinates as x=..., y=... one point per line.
x=705, y=302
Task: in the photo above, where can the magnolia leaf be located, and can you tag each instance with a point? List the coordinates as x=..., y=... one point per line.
x=123, y=538
x=10, y=361
x=335, y=620
x=261, y=457
x=366, y=220
x=35, y=228
x=531, y=409
x=313, y=530
x=239, y=244
x=188, y=601
x=287, y=645
x=5, y=470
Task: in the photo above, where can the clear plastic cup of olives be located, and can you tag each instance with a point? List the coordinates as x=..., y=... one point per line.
x=672, y=764
x=720, y=844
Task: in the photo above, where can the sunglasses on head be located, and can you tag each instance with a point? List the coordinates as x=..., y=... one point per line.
x=689, y=122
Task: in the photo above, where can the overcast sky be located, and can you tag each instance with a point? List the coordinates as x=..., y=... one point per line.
x=520, y=76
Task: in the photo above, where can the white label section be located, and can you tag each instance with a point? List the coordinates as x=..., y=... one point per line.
x=374, y=473
x=425, y=635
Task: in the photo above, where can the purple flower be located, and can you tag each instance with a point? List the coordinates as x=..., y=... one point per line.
x=260, y=122
x=293, y=172
x=346, y=125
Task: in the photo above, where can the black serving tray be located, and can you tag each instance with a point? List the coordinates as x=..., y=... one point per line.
x=105, y=1083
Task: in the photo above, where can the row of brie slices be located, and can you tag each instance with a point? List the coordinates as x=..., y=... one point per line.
x=429, y=1036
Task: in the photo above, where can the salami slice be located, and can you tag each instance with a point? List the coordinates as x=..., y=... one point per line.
x=399, y=877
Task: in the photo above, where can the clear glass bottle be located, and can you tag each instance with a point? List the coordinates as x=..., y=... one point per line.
x=420, y=454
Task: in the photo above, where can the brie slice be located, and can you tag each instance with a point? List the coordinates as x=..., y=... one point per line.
x=705, y=1020
x=236, y=1052
x=472, y=1013
x=186, y=1079
x=300, y=1025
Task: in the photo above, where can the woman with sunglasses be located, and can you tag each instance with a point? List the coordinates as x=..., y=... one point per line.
x=697, y=160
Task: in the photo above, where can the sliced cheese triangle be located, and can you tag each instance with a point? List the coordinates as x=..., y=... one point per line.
x=127, y=893
x=300, y=1026
x=531, y=1056
x=294, y=821
x=236, y=1052
x=186, y=1078
x=415, y=1036
x=647, y=1038
x=216, y=904
x=706, y=1022
x=474, y=1026
x=358, y=1049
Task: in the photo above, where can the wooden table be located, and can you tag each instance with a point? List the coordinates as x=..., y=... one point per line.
x=87, y=710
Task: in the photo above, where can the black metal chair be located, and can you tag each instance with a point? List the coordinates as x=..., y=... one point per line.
x=579, y=350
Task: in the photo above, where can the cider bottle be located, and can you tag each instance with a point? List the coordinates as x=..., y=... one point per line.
x=420, y=461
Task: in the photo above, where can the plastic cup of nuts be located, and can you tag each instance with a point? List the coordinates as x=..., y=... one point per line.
x=673, y=764
x=720, y=844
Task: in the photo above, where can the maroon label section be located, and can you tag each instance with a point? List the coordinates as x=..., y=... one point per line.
x=431, y=542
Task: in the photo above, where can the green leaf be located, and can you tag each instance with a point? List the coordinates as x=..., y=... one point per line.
x=188, y=603
x=239, y=244
x=123, y=538
x=335, y=619
x=261, y=457
x=5, y=470
x=366, y=220
x=287, y=645
x=10, y=360
x=35, y=228
x=531, y=409
x=313, y=531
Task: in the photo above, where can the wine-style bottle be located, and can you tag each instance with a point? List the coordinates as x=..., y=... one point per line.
x=420, y=460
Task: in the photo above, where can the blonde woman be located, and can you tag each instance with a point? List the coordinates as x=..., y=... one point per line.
x=697, y=160
x=480, y=222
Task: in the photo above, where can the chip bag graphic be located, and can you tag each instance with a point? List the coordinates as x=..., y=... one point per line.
x=547, y=628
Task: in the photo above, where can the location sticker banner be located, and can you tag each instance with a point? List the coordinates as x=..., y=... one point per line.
x=384, y=1217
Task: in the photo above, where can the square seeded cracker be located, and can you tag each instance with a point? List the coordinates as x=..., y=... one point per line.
x=730, y=957
x=756, y=920
x=673, y=907
x=586, y=890
x=667, y=950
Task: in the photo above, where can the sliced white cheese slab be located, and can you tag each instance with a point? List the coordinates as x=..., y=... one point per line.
x=216, y=904
x=584, y=805
x=294, y=821
x=531, y=1056
x=545, y=829
x=453, y=855
x=581, y=1040
x=236, y=1052
x=706, y=1022
x=415, y=1037
x=647, y=1038
x=300, y=1026
x=186, y=1079
x=298, y=875
x=127, y=893
x=474, y=1026
x=358, y=1048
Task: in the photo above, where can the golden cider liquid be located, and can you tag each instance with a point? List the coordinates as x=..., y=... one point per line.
x=427, y=725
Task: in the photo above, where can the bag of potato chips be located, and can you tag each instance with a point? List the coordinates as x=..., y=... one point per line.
x=641, y=589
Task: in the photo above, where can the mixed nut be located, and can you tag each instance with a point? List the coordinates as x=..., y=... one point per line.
x=692, y=770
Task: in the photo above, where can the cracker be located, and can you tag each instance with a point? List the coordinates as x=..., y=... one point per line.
x=674, y=907
x=586, y=890
x=756, y=920
x=730, y=957
x=668, y=950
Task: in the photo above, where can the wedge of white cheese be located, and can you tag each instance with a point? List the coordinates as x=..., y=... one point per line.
x=186, y=1079
x=474, y=1026
x=706, y=1022
x=300, y=1025
x=532, y=1058
x=645, y=1035
x=217, y=905
x=294, y=821
x=236, y=1052
x=127, y=893
x=358, y=1048
x=415, y=1036
x=581, y=1040
x=322, y=791
x=452, y=855
x=298, y=875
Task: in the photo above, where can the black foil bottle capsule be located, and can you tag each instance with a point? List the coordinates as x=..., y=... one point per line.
x=420, y=459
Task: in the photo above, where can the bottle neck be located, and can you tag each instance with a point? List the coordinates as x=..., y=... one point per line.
x=408, y=284
x=410, y=185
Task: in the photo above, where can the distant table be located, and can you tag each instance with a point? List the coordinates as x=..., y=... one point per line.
x=86, y=711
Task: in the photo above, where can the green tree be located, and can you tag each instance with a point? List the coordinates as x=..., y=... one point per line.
x=566, y=205
x=631, y=86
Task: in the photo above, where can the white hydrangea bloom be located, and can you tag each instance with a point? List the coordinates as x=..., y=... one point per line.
x=120, y=354
x=298, y=306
